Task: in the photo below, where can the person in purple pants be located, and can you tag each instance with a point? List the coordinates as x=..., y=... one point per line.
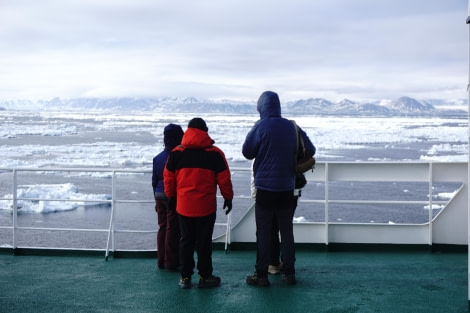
x=168, y=235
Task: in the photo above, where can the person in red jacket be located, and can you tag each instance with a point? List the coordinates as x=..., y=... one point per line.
x=192, y=173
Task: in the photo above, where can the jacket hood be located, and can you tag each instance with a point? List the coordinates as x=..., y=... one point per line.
x=172, y=135
x=268, y=105
x=195, y=138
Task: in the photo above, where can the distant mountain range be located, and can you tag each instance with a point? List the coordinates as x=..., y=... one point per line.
x=404, y=106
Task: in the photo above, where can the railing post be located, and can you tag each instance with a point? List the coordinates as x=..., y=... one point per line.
x=111, y=219
x=113, y=204
x=15, y=207
x=430, y=203
x=468, y=160
x=327, y=237
x=227, y=232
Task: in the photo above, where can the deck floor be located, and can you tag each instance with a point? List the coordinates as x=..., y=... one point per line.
x=327, y=282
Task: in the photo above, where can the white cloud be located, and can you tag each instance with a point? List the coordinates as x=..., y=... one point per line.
x=334, y=49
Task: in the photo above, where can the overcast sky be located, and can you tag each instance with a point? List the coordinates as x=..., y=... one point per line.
x=233, y=49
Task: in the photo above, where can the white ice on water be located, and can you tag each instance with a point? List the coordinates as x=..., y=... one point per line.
x=327, y=133
x=67, y=192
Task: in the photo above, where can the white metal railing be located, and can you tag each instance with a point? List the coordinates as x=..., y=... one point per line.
x=111, y=230
x=449, y=226
x=325, y=172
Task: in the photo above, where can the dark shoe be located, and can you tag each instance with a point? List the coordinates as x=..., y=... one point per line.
x=211, y=281
x=185, y=282
x=289, y=279
x=253, y=279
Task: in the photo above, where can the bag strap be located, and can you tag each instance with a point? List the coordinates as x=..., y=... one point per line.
x=296, y=140
x=299, y=139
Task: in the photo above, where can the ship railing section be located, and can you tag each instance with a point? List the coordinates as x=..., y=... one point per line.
x=449, y=226
x=93, y=175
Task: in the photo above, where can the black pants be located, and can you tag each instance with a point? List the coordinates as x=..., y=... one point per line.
x=196, y=234
x=270, y=207
x=275, y=243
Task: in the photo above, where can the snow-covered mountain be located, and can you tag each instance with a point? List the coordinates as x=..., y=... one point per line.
x=394, y=107
x=317, y=106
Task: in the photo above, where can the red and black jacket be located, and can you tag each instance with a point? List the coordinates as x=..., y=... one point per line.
x=192, y=173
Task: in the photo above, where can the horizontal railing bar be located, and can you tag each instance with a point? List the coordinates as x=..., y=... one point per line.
x=133, y=231
x=302, y=201
x=134, y=201
x=62, y=229
x=77, y=170
x=61, y=200
x=80, y=200
x=140, y=250
x=240, y=169
x=381, y=202
x=216, y=224
x=100, y=170
x=59, y=248
x=371, y=202
x=363, y=224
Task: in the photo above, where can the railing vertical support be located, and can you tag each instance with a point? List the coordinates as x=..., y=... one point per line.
x=468, y=159
x=111, y=219
x=227, y=232
x=15, y=207
x=430, y=203
x=327, y=179
x=113, y=203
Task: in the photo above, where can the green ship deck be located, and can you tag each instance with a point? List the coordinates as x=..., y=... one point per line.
x=347, y=281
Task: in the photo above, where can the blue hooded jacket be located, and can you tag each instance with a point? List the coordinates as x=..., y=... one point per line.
x=172, y=135
x=272, y=143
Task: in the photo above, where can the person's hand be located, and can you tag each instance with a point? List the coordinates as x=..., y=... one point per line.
x=228, y=205
x=172, y=204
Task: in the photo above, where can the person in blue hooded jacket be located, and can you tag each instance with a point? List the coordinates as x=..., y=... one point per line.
x=168, y=235
x=272, y=143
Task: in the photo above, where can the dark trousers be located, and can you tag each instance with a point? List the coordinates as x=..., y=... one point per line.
x=196, y=234
x=275, y=244
x=168, y=235
x=270, y=207
x=276, y=257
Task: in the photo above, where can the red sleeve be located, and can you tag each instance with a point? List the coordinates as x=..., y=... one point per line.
x=224, y=181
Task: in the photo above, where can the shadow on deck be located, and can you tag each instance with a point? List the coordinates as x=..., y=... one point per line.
x=354, y=281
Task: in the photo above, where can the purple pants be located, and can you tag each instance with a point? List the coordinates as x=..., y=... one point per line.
x=168, y=236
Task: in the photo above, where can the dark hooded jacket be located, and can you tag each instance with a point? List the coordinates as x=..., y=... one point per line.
x=192, y=173
x=172, y=135
x=272, y=142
